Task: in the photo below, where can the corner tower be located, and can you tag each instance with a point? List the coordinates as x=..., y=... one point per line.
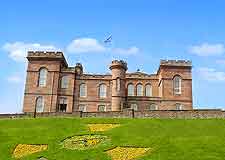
x=118, y=68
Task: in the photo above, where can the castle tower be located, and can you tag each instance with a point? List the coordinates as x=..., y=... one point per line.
x=43, y=74
x=179, y=71
x=118, y=68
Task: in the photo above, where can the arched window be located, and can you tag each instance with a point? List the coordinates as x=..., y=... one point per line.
x=148, y=90
x=40, y=104
x=153, y=107
x=177, y=85
x=179, y=106
x=42, y=77
x=64, y=82
x=118, y=84
x=83, y=90
x=102, y=90
x=130, y=90
x=134, y=106
x=139, y=90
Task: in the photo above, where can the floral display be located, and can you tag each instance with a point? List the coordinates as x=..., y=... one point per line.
x=26, y=149
x=83, y=142
x=101, y=127
x=126, y=153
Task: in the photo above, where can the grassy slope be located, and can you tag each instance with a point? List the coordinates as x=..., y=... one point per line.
x=170, y=139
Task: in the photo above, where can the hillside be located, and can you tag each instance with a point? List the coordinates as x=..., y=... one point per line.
x=164, y=139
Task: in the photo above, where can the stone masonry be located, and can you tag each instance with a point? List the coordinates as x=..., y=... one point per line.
x=114, y=96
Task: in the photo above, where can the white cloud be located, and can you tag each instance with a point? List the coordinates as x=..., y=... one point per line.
x=15, y=79
x=18, y=50
x=128, y=51
x=206, y=49
x=211, y=74
x=91, y=45
x=85, y=45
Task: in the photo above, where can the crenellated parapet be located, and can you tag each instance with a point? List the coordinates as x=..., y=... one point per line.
x=185, y=63
x=46, y=55
x=118, y=64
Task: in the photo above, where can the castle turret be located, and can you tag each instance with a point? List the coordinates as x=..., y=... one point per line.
x=78, y=69
x=118, y=68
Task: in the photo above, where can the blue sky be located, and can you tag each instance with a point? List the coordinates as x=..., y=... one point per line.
x=143, y=32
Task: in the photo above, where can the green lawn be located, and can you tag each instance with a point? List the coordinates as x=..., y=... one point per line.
x=169, y=139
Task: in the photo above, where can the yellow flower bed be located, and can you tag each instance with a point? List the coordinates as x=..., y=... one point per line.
x=126, y=153
x=101, y=127
x=83, y=142
x=26, y=149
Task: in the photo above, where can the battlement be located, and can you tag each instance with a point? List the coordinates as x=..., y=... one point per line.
x=186, y=63
x=118, y=63
x=47, y=55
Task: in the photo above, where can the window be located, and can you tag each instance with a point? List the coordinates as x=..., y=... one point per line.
x=148, y=90
x=64, y=82
x=40, y=104
x=134, y=106
x=179, y=106
x=62, y=104
x=153, y=107
x=177, y=85
x=42, y=77
x=102, y=90
x=83, y=90
x=139, y=90
x=130, y=90
x=118, y=84
x=83, y=108
x=101, y=108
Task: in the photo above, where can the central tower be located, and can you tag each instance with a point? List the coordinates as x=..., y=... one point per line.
x=118, y=68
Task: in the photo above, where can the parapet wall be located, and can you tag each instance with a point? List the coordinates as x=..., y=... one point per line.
x=45, y=54
x=118, y=63
x=175, y=63
x=170, y=114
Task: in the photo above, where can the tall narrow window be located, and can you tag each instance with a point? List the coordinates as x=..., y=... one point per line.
x=42, y=77
x=83, y=90
x=130, y=90
x=102, y=90
x=148, y=90
x=177, y=85
x=40, y=104
x=64, y=82
x=139, y=90
x=179, y=106
x=101, y=108
x=62, y=104
x=118, y=84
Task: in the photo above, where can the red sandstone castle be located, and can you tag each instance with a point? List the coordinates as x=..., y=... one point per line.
x=52, y=86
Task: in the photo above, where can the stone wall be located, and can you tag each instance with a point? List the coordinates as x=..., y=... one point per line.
x=166, y=114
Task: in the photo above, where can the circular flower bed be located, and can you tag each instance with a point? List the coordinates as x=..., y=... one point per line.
x=126, y=153
x=101, y=127
x=83, y=142
x=26, y=149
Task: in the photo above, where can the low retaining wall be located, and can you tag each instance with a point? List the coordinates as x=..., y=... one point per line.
x=171, y=114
